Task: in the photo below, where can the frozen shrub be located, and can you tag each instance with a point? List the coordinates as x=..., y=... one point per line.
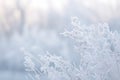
x=50, y=67
x=99, y=56
x=98, y=48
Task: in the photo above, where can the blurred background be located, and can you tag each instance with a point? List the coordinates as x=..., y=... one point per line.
x=36, y=26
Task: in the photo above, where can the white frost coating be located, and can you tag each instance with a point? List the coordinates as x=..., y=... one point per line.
x=51, y=67
x=99, y=56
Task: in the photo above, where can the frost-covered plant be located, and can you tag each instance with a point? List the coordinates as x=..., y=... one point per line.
x=99, y=56
x=98, y=48
x=50, y=67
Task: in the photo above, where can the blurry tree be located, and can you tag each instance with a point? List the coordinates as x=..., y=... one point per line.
x=13, y=16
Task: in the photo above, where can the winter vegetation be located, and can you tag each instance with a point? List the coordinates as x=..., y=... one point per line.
x=81, y=52
x=99, y=56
